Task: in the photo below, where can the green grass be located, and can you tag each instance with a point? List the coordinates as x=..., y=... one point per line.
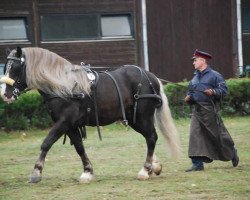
x=117, y=160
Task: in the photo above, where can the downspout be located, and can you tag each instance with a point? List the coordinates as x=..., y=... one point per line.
x=239, y=36
x=144, y=33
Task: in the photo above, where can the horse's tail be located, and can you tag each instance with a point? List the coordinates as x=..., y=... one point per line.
x=166, y=125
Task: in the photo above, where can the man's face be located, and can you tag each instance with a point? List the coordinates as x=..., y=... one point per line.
x=199, y=63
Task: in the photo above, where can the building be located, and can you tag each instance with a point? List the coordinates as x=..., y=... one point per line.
x=159, y=35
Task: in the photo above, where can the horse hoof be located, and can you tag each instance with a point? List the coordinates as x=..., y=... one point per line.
x=86, y=177
x=35, y=177
x=157, y=168
x=143, y=175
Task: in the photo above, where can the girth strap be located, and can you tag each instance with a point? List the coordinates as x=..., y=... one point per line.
x=93, y=87
x=125, y=121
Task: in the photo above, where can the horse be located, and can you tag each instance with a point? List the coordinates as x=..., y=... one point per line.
x=76, y=100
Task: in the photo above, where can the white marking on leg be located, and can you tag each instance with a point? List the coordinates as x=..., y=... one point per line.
x=86, y=177
x=156, y=166
x=35, y=176
x=143, y=174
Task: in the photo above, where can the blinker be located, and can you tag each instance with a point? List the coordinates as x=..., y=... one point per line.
x=7, y=80
x=22, y=60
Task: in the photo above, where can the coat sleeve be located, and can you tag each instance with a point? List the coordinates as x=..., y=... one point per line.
x=189, y=92
x=220, y=89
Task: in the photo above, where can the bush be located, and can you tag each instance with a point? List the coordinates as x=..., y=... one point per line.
x=176, y=94
x=29, y=110
x=237, y=102
x=238, y=99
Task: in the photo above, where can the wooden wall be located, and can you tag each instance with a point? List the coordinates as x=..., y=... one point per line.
x=109, y=53
x=16, y=8
x=177, y=28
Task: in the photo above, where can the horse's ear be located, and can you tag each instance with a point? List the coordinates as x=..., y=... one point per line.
x=7, y=51
x=18, y=52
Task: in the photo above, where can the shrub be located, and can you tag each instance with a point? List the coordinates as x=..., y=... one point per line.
x=238, y=99
x=29, y=110
x=176, y=94
x=237, y=102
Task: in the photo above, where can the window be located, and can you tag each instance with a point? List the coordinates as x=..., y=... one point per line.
x=84, y=27
x=69, y=27
x=113, y=26
x=13, y=29
x=246, y=19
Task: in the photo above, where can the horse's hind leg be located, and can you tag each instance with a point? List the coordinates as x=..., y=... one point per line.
x=76, y=139
x=151, y=164
x=147, y=129
x=55, y=133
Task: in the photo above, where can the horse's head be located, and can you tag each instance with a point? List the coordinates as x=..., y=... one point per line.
x=14, y=80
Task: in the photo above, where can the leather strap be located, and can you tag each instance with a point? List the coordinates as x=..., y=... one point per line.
x=93, y=87
x=125, y=121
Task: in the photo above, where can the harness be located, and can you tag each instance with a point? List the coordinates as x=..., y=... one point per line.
x=16, y=84
x=93, y=77
x=137, y=96
x=93, y=89
x=125, y=121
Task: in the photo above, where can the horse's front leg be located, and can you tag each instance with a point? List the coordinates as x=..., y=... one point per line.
x=55, y=133
x=76, y=139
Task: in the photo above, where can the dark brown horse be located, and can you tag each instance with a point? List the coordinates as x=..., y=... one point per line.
x=74, y=101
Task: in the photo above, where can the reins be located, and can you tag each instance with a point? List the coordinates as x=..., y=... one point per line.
x=166, y=81
x=211, y=101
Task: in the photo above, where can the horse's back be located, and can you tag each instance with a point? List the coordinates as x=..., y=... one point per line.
x=135, y=76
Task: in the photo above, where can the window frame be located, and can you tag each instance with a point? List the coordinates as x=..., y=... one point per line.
x=26, y=26
x=99, y=34
x=65, y=39
x=246, y=31
x=131, y=25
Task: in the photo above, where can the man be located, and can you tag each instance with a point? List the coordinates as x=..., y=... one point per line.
x=209, y=139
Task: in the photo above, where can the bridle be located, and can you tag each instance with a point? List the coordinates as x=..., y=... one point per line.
x=22, y=59
x=15, y=84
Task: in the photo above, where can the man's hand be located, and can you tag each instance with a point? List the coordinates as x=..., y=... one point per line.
x=209, y=92
x=187, y=98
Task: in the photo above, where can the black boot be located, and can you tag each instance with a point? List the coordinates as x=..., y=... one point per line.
x=197, y=164
x=195, y=168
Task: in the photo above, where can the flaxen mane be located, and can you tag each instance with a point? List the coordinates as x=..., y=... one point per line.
x=53, y=74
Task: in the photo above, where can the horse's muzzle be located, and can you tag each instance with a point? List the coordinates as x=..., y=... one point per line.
x=8, y=97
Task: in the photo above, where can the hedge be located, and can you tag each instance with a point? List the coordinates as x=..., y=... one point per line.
x=29, y=110
x=237, y=102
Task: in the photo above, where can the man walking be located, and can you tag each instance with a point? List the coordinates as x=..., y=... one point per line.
x=209, y=139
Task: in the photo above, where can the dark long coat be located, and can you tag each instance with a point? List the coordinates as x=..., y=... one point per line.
x=209, y=137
